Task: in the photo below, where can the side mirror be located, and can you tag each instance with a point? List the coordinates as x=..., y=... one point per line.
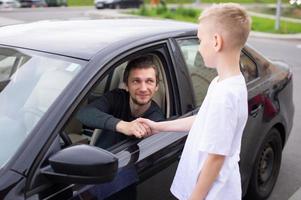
x=82, y=164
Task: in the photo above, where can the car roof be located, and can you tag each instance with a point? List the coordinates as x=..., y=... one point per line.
x=84, y=38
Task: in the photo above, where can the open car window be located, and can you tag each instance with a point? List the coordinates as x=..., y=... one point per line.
x=80, y=133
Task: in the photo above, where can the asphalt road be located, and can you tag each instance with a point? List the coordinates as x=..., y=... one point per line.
x=289, y=180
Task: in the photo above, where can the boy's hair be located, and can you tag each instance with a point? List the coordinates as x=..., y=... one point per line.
x=143, y=62
x=230, y=20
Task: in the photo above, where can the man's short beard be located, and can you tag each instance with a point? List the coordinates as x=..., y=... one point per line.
x=140, y=104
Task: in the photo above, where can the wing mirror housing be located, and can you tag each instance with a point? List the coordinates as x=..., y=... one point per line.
x=81, y=164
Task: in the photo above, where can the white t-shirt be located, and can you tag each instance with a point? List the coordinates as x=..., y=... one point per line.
x=217, y=129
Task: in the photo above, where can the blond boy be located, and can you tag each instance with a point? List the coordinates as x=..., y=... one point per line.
x=208, y=168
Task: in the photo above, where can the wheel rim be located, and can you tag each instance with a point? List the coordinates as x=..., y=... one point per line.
x=266, y=165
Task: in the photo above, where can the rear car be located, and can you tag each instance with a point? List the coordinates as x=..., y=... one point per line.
x=5, y=4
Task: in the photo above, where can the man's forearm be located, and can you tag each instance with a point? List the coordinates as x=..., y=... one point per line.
x=94, y=118
x=207, y=176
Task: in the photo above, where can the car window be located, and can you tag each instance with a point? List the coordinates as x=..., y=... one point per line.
x=201, y=76
x=248, y=67
x=30, y=83
x=82, y=133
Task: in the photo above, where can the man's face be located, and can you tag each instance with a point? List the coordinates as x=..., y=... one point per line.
x=142, y=85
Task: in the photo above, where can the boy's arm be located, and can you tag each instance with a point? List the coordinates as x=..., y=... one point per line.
x=207, y=176
x=183, y=124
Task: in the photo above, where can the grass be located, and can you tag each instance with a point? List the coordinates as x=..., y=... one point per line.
x=290, y=11
x=80, y=2
x=259, y=24
x=180, y=13
x=267, y=25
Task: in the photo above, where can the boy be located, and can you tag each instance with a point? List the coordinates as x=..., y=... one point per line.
x=208, y=168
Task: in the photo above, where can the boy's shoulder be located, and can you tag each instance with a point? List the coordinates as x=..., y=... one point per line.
x=230, y=88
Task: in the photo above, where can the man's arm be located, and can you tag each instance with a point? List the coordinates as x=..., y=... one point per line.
x=97, y=115
x=207, y=176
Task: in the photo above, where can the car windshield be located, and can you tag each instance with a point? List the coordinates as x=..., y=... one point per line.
x=29, y=83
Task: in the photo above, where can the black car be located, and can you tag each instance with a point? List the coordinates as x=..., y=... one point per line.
x=48, y=70
x=117, y=4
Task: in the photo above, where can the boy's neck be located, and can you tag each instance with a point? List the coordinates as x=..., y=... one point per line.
x=228, y=65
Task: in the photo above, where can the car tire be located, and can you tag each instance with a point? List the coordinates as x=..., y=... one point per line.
x=266, y=168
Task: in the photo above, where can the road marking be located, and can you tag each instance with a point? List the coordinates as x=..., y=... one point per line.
x=298, y=46
x=296, y=195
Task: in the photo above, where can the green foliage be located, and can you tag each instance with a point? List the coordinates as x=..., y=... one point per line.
x=180, y=13
x=268, y=25
x=191, y=15
x=80, y=2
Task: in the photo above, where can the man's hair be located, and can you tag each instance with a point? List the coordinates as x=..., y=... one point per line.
x=142, y=62
x=230, y=20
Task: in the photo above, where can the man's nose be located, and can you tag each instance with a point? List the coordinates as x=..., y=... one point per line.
x=143, y=86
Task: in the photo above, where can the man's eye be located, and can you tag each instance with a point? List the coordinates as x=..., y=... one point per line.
x=150, y=81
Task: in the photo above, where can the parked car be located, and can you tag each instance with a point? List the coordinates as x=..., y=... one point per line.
x=5, y=4
x=117, y=4
x=49, y=70
x=33, y=3
x=56, y=3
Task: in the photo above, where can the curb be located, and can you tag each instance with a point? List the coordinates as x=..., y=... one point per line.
x=276, y=36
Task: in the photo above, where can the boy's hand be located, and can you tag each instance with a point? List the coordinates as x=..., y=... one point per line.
x=149, y=123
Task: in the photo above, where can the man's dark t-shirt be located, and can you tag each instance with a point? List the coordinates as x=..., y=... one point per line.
x=106, y=111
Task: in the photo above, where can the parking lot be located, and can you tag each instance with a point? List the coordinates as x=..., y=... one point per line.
x=288, y=50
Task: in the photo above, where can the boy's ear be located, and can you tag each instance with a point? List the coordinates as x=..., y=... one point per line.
x=218, y=42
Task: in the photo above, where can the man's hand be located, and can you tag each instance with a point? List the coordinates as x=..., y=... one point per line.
x=135, y=128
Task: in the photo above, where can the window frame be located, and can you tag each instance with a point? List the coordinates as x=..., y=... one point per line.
x=248, y=55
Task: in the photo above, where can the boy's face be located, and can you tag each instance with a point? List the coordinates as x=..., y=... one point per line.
x=142, y=85
x=207, y=44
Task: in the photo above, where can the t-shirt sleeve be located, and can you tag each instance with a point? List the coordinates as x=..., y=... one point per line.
x=220, y=124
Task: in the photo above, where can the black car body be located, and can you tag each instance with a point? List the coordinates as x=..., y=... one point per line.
x=117, y=4
x=46, y=78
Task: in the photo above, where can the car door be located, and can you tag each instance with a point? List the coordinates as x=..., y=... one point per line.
x=138, y=159
x=142, y=159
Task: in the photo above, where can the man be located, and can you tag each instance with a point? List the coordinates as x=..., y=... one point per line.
x=116, y=111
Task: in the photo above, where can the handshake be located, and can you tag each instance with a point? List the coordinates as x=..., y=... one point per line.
x=139, y=128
